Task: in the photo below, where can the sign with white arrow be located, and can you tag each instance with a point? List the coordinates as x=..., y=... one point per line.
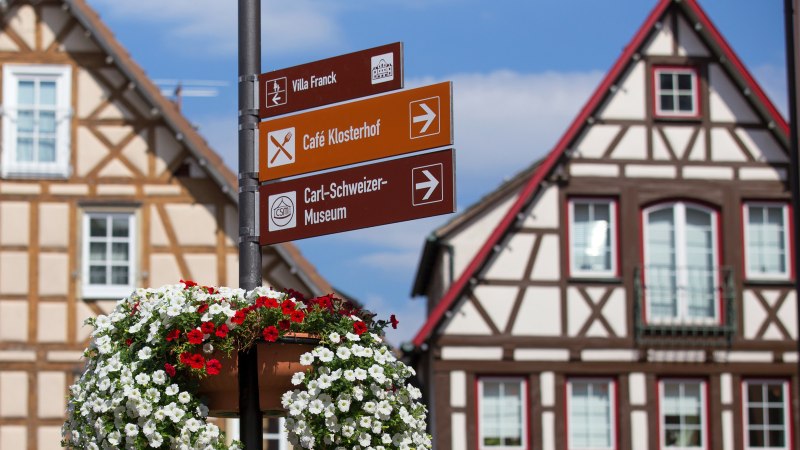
x=349, y=133
x=359, y=197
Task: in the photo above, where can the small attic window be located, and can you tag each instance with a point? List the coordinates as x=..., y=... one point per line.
x=676, y=92
x=189, y=168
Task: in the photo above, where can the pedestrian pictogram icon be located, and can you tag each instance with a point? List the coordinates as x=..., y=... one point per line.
x=280, y=148
x=424, y=117
x=425, y=184
x=276, y=92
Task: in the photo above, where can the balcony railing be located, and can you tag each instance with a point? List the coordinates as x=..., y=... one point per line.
x=684, y=306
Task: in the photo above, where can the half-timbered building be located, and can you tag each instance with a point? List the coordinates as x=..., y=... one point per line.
x=104, y=187
x=633, y=289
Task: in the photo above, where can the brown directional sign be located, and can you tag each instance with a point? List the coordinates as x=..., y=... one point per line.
x=378, y=127
x=331, y=80
x=359, y=197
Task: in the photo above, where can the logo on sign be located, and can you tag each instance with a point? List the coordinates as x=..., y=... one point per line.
x=276, y=92
x=424, y=117
x=382, y=68
x=282, y=211
x=280, y=147
x=425, y=184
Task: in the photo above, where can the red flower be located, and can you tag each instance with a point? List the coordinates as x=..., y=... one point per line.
x=270, y=333
x=202, y=308
x=239, y=317
x=287, y=306
x=207, y=327
x=174, y=334
x=325, y=302
x=213, y=366
x=197, y=361
x=188, y=283
x=222, y=331
x=267, y=302
x=297, y=316
x=393, y=320
x=195, y=336
x=185, y=357
x=359, y=328
x=284, y=324
x=170, y=369
x=210, y=289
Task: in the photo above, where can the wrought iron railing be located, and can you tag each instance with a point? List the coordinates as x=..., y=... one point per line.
x=684, y=307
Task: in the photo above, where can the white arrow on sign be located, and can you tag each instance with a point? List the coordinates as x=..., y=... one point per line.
x=427, y=118
x=430, y=184
x=277, y=98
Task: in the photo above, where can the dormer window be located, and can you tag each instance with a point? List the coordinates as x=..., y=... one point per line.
x=676, y=92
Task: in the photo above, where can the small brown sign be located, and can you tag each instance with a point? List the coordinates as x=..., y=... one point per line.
x=378, y=127
x=337, y=79
x=360, y=197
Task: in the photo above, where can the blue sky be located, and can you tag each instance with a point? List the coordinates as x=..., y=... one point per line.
x=521, y=71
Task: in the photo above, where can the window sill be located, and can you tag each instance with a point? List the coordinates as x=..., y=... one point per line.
x=782, y=282
x=581, y=279
x=106, y=292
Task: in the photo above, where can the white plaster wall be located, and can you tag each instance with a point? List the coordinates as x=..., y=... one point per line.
x=52, y=391
x=467, y=241
x=53, y=274
x=648, y=171
x=498, y=302
x=13, y=394
x=540, y=313
x=473, y=353
x=14, y=320
x=616, y=313
x=54, y=225
x=679, y=137
x=595, y=140
x=458, y=431
x=193, y=224
x=203, y=268
x=637, y=389
x=547, y=388
x=92, y=93
x=163, y=269
x=14, y=273
x=548, y=430
x=544, y=213
x=762, y=145
x=167, y=148
x=13, y=436
x=660, y=42
x=458, y=389
x=541, y=354
x=698, y=150
x=726, y=389
x=509, y=263
x=466, y=320
x=689, y=43
x=593, y=170
x=52, y=324
x=759, y=173
x=755, y=315
x=627, y=102
x=633, y=145
x=639, y=430
x=708, y=173
x=547, y=266
x=14, y=223
x=726, y=101
x=89, y=151
x=23, y=22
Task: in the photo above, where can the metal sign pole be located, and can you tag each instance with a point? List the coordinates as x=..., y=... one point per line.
x=792, y=41
x=250, y=424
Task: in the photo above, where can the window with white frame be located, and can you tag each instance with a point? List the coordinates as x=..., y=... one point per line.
x=36, y=125
x=502, y=413
x=590, y=405
x=766, y=415
x=676, y=92
x=681, y=257
x=109, y=254
x=592, y=231
x=682, y=415
x=275, y=436
x=766, y=240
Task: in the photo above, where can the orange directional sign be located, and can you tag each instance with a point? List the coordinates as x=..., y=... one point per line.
x=358, y=197
x=377, y=127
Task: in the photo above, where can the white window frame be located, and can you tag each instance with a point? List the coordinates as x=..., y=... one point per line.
x=281, y=436
x=62, y=75
x=657, y=72
x=679, y=221
x=786, y=242
x=612, y=404
x=108, y=291
x=704, y=429
x=523, y=390
x=787, y=425
x=612, y=211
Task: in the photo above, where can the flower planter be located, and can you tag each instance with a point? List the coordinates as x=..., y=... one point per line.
x=277, y=362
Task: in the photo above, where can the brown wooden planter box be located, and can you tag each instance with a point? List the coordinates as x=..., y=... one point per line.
x=277, y=362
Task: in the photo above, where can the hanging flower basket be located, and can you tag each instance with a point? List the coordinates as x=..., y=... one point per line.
x=165, y=359
x=277, y=363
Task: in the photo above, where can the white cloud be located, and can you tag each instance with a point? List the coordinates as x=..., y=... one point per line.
x=212, y=24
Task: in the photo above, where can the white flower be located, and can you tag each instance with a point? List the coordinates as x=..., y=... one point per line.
x=142, y=378
x=353, y=337
x=334, y=337
x=306, y=359
x=325, y=355
x=343, y=353
x=316, y=407
x=159, y=377
x=360, y=373
x=343, y=403
x=145, y=353
x=155, y=440
x=172, y=389
x=298, y=377
x=149, y=427
x=364, y=439
x=184, y=397
x=131, y=430
x=349, y=375
x=208, y=348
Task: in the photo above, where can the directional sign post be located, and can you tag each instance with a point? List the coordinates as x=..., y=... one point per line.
x=377, y=194
x=331, y=80
x=374, y=128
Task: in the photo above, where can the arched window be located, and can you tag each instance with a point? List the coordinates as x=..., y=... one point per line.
x=680, y=264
